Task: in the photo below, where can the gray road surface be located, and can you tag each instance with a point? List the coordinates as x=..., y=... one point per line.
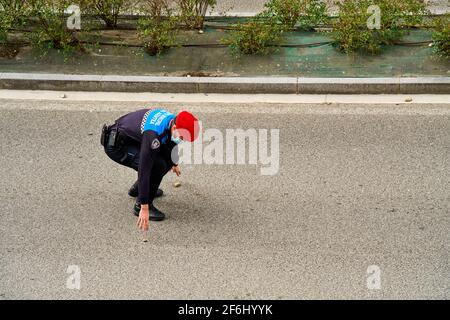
x=230, y=6
x=254, y=6
x=357, y=186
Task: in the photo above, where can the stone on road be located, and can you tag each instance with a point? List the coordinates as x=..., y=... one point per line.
x=358, y=186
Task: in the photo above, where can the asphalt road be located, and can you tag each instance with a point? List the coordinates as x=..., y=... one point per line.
x=240, y=7
x=233, y=6
x=357, y=186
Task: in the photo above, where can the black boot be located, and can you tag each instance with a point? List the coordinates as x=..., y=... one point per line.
x=155, y=214
x=134, y=192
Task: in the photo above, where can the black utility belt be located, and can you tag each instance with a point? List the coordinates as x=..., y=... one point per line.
x=110, y=136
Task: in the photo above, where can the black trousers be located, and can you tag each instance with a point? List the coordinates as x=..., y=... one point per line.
x=127, y=154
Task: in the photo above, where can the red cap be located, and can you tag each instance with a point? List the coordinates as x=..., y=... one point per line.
x=186, y=120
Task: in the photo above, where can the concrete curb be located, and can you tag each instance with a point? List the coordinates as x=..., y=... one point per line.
x=272, y=85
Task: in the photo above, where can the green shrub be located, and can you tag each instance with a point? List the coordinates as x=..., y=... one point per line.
x=192, y=12
x=308, y=13
x=406, y=13
x=287, y=12
x=157, y=29
x=254, y=37
x=157, y=9
x=350, y=30
x=51, y=26
x=12, y=14
x=315, y=14
x=6, y=23
x=106, y=10
x=441, y=36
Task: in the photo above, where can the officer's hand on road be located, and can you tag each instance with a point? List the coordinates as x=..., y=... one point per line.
x=176, y=170
x=142, y=222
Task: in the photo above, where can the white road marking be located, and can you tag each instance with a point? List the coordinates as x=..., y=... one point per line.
x=224, y=98
x=226, y=103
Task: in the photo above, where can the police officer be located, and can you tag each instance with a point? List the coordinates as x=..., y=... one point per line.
x=146, y=141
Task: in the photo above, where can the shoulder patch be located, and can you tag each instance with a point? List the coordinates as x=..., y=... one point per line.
x=155, y=143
